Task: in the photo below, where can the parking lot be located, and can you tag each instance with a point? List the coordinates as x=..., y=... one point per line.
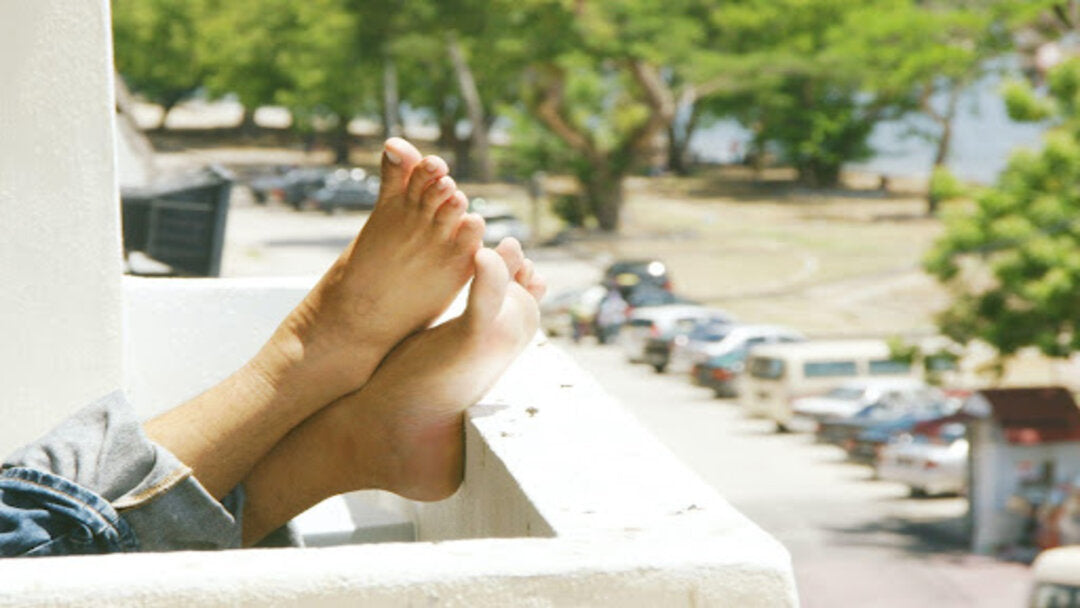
x=855, y=541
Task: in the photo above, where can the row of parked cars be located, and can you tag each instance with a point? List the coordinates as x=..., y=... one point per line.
x=326, y=189
x=333, y=190
x=851, y=393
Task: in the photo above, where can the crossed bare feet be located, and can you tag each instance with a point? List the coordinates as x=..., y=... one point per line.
x=417, y=250
x=402, y=431
x=410, y=260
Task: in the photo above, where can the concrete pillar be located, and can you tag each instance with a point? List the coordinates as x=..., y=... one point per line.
x=60, y=256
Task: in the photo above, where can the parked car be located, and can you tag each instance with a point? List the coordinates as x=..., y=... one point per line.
x=721, y=373
x=849, y=397
x=659, y=347
x=888, y=414
x=660, y=322
x=558, y=312
x=263, y=184
x=931, y=459
x=706, y=342
x=777, y=374
x=292, y=187
x=868, y=444
x=1056, y=575
x=347, y=189
x=644, y=296
x=631, y=275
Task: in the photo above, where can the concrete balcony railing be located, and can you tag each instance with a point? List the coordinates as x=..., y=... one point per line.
x=567, y=500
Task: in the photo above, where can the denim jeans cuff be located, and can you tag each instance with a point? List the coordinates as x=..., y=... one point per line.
x=103, y=449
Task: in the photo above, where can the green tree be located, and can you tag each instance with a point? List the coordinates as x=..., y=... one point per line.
x=302, y=55
x=781, y=54
x=599, y=79
x=922, y=56
x=158, y=49
x=1013, y=262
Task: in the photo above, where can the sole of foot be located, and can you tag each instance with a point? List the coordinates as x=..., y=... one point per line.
x=407, y=264
x=418, y=396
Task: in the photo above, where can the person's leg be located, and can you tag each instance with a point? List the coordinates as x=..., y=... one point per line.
x=404, y=268
x=402, y=431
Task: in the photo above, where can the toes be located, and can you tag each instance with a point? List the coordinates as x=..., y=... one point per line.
x=429, y=170
x=537, y=287
x=441, y=190
x=525, y=273
x=447, y=216
x=488, y=288
x=470, y=232
x=510, y=250
x=398, y=160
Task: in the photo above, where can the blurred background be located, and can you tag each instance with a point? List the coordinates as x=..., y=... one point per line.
x=803, y=241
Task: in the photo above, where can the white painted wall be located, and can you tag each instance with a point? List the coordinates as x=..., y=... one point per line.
x=60, y=262
x=185, y=335
x=567, y=499
x=593, y=510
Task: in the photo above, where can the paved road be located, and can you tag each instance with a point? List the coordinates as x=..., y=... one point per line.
x=854, y=541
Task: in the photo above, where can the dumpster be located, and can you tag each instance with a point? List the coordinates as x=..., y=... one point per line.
x=180, y=224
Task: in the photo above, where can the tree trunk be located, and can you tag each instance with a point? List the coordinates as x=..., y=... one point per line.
x=391, y=100
x=474, y=108
x=940, y=157
x=604, y=197
x=944, y=145
x=248, y=128
x=679, y=139
x=818, y=173
x=340, y=141
x=447, y=118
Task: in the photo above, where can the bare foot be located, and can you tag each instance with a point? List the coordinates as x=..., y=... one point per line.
x=411, y=258
x=403, y=431
x=422, y=388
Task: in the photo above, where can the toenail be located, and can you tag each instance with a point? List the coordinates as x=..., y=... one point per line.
x=444, y=183
x=392, y=156
x=431, y=165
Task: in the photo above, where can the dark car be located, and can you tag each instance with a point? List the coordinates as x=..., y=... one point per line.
x=630, y=275
x=720, y=372
x=347, y=189
x=877, y=422
x=291, y=186
x=644, y=296
x=658, y=348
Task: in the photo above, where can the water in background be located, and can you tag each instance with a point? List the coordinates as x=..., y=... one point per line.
x=983, y=138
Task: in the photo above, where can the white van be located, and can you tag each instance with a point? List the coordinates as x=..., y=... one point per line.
x=778, y=374
x=1057, y=579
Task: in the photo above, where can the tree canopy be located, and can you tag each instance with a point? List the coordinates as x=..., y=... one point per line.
x=1013, y=261
x=601, y=89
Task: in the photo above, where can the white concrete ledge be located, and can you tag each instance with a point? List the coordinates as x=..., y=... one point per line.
x=567, y=501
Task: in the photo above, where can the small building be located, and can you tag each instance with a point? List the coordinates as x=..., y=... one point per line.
x=1025, y=443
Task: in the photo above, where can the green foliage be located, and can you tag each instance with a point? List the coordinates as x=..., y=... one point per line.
x=1024, y=105
x=570, y=209
x=1014, y=260
x=945, y=186
x=158, y=47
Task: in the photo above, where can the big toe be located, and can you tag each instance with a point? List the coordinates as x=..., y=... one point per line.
x=488, y=288
x=399, y=158
x=510, y=251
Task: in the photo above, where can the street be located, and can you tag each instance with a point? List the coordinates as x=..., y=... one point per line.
x=855, y=541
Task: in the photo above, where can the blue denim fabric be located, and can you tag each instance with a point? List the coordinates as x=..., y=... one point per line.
x=97, y=484
x=42, y=514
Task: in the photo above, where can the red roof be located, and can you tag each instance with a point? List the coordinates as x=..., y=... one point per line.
x=1035, y=415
